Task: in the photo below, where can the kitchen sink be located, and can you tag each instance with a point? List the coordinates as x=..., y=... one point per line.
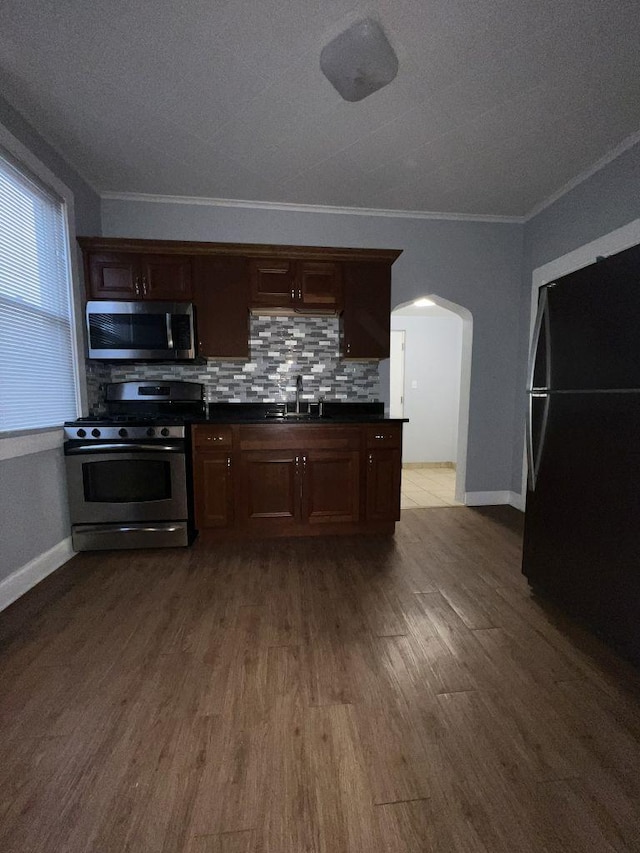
x=292, y=416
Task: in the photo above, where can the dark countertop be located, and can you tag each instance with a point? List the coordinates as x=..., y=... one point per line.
x=276, y=413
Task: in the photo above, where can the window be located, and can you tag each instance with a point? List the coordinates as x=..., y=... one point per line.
x=38, y=374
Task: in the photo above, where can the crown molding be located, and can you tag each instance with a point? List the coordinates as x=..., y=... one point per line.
x=609, y=157
x=307, y=208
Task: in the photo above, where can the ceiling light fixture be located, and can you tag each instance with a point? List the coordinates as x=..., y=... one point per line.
x=423, y=303
x=359, y=61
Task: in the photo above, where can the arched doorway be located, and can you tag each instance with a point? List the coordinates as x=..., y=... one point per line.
x=437, y=371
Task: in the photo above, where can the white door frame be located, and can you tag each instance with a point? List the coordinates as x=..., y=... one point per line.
x=608, y=244
x=391, y=382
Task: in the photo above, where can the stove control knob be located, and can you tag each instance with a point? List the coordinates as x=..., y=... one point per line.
x=151, y=432
x=95, y=433
x=123, y=433
x=81, y=433
x=164, y=431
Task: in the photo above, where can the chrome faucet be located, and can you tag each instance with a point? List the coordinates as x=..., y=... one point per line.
x=298, y=392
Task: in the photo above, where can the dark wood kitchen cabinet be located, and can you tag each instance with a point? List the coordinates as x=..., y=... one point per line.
x=292, y=477
x=330, y=487
x=384, y=467
x=296, y=285
x=126, y=276
x=213, y=476
x=221, y=299
x=365, y=324
x=383, y=449
x=296, y=479
x=282, y=490
x=228, y=280
x=269, y=490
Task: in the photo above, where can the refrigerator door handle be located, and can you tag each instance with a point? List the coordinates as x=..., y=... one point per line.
x=542, y=321
x=534, y=454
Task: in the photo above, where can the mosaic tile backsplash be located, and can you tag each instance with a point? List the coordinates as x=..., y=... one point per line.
x=281, y=349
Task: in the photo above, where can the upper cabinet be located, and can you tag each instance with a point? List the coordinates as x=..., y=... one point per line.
x=296, y=285
x=226, y=281
x=167, y=277
x=128, y=276
x=111, y=275
x=365, y=324
x=221, y=298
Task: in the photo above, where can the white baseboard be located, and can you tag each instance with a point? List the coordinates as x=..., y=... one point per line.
x=27, y=576
x=517, y=500
x=514, y=499
x=486, y=498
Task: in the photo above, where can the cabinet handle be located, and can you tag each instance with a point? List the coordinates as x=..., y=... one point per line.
x=348, y=347
x=144, y=285
x=371, y=459
x=228, y=463
x=379, y=436
x=136, y=286
x=300, y=294
x=293, y=294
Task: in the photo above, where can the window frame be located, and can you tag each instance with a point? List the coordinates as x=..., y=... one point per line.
x=26, y=441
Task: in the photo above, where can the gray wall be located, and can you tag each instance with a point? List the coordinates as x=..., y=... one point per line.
x=85, y=199
x=607, y=200
x=433, y=348
x=474, y=264
x=33, y=508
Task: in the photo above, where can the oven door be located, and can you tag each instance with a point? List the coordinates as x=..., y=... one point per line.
x=126, y=484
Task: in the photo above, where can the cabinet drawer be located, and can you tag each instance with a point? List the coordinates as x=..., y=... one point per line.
x=384, y=435
x=211, y=436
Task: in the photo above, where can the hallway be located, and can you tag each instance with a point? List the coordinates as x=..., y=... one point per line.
x=428, y=486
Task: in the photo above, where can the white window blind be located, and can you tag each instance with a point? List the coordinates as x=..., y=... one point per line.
x=37, y=365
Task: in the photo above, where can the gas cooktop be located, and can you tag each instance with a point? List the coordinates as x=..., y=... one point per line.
x=107, y=419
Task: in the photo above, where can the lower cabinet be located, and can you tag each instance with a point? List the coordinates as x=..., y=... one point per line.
x=292, y=480
x=284, y=490
x=331, y=487
x=269, y=489
x=213, y=485
x=383, y=484
x=213, y=476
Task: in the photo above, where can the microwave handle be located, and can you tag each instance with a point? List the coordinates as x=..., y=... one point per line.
x=169, y=318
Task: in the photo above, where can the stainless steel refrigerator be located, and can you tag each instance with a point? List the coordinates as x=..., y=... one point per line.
x=582, y=524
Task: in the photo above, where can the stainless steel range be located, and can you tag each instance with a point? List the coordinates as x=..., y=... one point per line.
x=127, y=469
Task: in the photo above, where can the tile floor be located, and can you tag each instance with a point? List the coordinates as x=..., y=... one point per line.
x=428, y=487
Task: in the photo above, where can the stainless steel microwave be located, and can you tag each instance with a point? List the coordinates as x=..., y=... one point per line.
x=144, y=331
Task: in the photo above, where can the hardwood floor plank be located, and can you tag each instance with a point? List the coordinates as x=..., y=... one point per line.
x=228, y=842
x=343, y=803
x=421, y=826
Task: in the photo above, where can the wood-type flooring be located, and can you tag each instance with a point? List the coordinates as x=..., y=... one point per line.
x=345, y=695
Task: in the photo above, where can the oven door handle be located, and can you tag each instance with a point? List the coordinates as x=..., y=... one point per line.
x=124, y=448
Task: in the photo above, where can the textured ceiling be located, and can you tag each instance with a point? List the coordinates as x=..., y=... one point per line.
x=496, y=106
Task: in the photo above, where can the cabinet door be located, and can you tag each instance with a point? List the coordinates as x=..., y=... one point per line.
x=270, y=490
x=221, y=296
x=213, y=489
x=330, y=487
x=366, y=319
x=272, y=282
x=166, y=277
x=113, y=275
x=383, y=484
x=319, y=285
